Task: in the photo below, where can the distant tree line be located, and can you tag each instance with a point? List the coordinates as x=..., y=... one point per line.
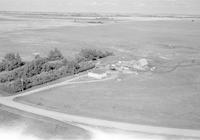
x=17, y=75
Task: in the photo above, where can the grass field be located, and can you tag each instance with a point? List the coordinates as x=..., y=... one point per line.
x=36, y=127
x=173, y=39
x=168, y=97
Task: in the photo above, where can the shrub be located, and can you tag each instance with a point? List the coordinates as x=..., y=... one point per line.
x=24, y=83
x=92, y=54
x=2, y=66
x=11, y=61
x=55, y=55
x=80, y=59
x=34, y=67
x=43, y=70
x=8, y=76
x=52, y=65
x=28, y=70
x=13, y=87
x=84, y=66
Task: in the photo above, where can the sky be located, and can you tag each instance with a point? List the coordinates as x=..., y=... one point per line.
x=119, y=6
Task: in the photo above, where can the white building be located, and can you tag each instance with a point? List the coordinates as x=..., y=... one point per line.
x=97, y=75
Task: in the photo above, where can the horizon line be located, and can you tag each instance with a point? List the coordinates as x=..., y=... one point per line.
x=84, y=12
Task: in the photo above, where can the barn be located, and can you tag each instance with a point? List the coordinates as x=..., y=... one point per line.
x=97, y=74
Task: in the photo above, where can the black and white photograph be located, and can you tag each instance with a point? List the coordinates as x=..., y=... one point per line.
x=99, y=69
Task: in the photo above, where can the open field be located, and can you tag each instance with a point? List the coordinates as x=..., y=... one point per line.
x=167, y=97
x=169, y=38
x=33, y=126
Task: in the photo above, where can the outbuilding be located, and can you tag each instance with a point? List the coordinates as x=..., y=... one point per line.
x=97, y=74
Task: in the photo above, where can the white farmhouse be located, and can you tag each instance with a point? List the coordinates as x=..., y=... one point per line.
x=97, y=75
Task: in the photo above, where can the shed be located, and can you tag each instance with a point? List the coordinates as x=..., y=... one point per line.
x=97, y=74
